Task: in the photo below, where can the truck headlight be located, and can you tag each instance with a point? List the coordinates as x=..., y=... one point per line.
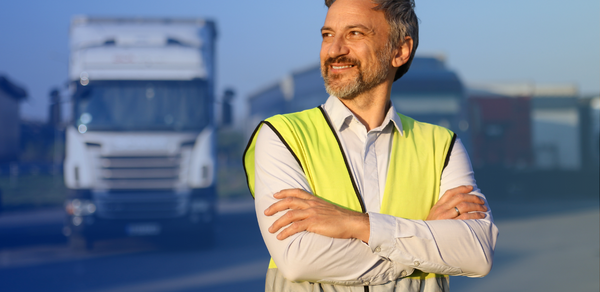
x=77, y=207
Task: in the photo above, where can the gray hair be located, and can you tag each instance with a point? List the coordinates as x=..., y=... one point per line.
x=403, y=21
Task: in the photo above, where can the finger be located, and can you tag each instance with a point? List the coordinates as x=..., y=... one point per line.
x=465, y=207
x=288, y=218
x=451, y=213
x=285, y=204
x=451, y=193
x=468, y=216
x=296, y=193
x=294, y=228
x=464, y=198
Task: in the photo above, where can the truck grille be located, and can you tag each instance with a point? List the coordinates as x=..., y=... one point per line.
x=138, y=173
x=140, y=205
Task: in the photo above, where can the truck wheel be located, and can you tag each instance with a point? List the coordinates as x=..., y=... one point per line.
x=79, y=242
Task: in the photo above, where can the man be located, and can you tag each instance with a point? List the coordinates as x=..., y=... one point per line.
x=350, y=196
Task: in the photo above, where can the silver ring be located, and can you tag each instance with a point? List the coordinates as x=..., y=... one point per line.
x=457, y=212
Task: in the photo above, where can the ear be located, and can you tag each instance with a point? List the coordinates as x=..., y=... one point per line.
x=402, y=52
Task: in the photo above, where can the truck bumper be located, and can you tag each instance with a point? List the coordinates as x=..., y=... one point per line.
x=192, y=215
x=98, y=228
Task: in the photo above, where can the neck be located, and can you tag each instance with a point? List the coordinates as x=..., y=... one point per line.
x=371, y=107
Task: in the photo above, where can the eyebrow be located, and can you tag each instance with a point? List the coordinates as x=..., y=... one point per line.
x=350, y=27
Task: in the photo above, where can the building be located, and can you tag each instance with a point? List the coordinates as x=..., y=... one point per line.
x=10, y=134
x=298, y=91
x=590, y=131
x=558, y=157
x=553, y=109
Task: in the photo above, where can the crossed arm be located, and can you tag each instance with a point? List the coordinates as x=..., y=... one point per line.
x=306, y=212
x=329, y=244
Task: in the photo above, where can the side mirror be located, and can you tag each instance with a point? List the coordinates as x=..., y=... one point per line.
x=227, y=108
x=83, y=92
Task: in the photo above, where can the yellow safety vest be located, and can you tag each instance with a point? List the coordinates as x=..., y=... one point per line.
x=414, y=172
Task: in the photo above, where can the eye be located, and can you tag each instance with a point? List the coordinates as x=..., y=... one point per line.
x=356, y=33
x=326, y=34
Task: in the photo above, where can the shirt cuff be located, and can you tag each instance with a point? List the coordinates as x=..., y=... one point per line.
x=382, y=233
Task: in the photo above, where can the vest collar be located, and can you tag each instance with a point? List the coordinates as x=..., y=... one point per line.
x=339, y=115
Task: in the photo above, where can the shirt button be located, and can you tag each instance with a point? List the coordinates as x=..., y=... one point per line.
x=417, y=263
x=378, y=249
x=403, y=274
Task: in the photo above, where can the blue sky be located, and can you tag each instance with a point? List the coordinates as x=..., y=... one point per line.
x=538, y=41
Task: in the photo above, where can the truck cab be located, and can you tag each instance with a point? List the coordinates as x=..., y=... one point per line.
x=140, y=150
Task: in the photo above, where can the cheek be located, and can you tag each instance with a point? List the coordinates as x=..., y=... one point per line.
x=363, y=51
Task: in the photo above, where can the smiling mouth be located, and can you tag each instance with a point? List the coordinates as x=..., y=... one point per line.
x=341, y=67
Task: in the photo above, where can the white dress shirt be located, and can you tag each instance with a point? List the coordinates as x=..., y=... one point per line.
x=396, y=246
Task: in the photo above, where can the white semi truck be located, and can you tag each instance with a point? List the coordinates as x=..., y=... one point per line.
x=141, y=151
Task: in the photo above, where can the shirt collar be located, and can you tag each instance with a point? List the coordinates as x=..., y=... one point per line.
x=340, y=115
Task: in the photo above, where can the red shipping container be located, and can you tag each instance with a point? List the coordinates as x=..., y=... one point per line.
x=501, y=131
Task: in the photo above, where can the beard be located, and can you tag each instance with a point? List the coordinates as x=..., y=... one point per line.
x=364, y=80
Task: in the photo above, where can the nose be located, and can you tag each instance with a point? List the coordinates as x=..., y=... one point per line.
x=337, y=47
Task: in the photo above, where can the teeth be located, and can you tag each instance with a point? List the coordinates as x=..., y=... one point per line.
x=342, y=67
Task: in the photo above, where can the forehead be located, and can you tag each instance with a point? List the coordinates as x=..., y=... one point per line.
x=350, y=13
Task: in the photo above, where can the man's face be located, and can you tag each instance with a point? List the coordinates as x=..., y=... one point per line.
x=355, y=52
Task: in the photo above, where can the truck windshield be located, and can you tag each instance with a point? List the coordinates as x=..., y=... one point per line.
x=142, y=106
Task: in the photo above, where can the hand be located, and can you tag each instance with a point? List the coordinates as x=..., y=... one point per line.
x=469, y=206
x=313, y=214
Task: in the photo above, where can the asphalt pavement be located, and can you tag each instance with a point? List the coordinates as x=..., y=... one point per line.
x=45, y=225
x=31, y=227
x=544, y=245
x=136, y=264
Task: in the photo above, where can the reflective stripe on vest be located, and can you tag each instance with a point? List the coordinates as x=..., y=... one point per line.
x=412, y=187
